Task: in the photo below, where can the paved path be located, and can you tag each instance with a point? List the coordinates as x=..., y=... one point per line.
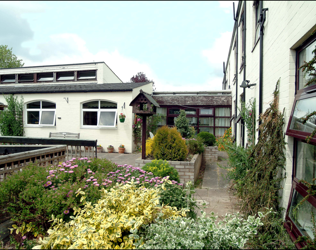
x=120, y=159
x=215, y=189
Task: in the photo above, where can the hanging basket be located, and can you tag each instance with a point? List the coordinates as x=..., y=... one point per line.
x=122, y=120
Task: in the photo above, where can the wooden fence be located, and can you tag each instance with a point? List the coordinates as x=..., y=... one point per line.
x=42, y=154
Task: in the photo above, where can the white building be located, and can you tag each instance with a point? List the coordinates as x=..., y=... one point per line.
x=84, y=98
x=286, y=41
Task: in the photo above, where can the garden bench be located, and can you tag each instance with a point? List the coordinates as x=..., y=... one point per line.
x=64, y=135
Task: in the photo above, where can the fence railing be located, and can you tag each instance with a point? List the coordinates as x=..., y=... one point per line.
x=76, y=148
x=43, y=155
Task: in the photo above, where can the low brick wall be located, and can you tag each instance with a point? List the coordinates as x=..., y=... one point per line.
x=188, y=170
x=210, y=154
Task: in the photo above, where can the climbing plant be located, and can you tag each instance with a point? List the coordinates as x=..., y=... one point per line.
x=248, y=114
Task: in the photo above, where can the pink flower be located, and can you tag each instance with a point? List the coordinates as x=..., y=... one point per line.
x=70, y=171
x=72, y=167
x=89, y=180
x=94, y=179
x=66, y=211
x=97, y=185
x=24, y=237
x=88, y=161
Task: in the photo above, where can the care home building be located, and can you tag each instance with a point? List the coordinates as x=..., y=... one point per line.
x=270, y=41
x=84, y=98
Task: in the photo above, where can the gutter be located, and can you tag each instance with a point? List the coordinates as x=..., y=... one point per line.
x=236, y=61
x=244, y=90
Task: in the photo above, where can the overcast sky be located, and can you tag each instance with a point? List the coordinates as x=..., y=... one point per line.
x=178, y=45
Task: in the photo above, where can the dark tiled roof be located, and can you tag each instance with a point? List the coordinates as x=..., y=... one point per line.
x=193, y=100
x=151, y=99
x=68, y=88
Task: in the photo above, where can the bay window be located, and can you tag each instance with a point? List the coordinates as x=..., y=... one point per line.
x=41, y=113
x=99, y=114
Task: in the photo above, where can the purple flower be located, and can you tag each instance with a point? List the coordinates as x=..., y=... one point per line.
x=89, y=180
x=97, y=184
x=70, y=171
x=69, y=193
x=66, y=211
x=24, y=237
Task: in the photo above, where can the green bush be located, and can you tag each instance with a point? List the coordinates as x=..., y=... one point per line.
x=195, y=146
x=182, y=125
x=162, y=168
x=208, y=138
x=34, y=194
x=169, y=145
x=202, y=233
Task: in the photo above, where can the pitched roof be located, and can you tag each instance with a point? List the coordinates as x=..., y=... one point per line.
x=193, y=100
x=69, y=88
x=150, y=98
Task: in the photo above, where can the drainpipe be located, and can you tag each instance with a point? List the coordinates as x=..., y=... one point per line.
x=244, y=89
x=236, y=61
x=262, y=20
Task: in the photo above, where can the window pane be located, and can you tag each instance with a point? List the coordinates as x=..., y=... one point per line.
x=220, y=131
x=190, y=111
x=302, y=108
x=42, y=77
x=107, y=118
x=48, y=105
x=108, y=105
x=222, y=122
x=162, y=111
x=301, y=215
x=8, y=78
x=206, y=111
x=170, y=121
x=86, y=75
x=90, y=118
x=192, y=120
x=64, y=76
x=207, y=121
x=305, y=55
x=174, y=111
x=32, y=117
x=48, y=117
x=207, y=129
x=305, y=162
x=26, y=78
x=34, y=105
x=91, y=105
x=222, y=112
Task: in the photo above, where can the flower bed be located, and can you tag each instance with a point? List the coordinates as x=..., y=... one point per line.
x=188, y=170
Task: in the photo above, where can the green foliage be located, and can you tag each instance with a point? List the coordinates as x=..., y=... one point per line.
x=169, y=145
x=202, y=233
x=8, y=59
x=249, y=116
x=208, y=138
x=182, y=125
x=195, y=146
x=11, y=118
x=110, y=222
x=162, y=168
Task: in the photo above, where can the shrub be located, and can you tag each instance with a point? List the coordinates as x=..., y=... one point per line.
x=208, y=138
x=162, y=168
x=109, y=223
x=149, y=146
x=225, y=141
x=169, y=145
x=202, y=233
x=195, y=146
x=182, y=125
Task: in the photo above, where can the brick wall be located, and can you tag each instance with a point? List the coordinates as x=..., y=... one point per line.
x=188, y=170
x=210, y=154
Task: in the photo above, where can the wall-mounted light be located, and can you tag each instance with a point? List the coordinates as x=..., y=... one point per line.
x=123, y=107
x=245, y=84
x=67, y=99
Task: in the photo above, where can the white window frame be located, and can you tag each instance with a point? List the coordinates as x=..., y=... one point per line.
x=40, y=110
x=98, y=111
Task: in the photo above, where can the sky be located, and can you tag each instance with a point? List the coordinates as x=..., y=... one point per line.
x=180, y=45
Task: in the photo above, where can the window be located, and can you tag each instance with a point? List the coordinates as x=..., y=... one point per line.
x=65, y=76
x=299, y=217
x=41, y=113
x=87, y=75
x=45, y=77
x=257, y=11
x=99, y=114
x=24, y=78
x=8, y=79
x=222, y=112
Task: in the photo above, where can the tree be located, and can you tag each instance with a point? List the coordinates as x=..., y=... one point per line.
x=8, y=59
x=141, y=77
x=182, y=124
x=11, y=119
